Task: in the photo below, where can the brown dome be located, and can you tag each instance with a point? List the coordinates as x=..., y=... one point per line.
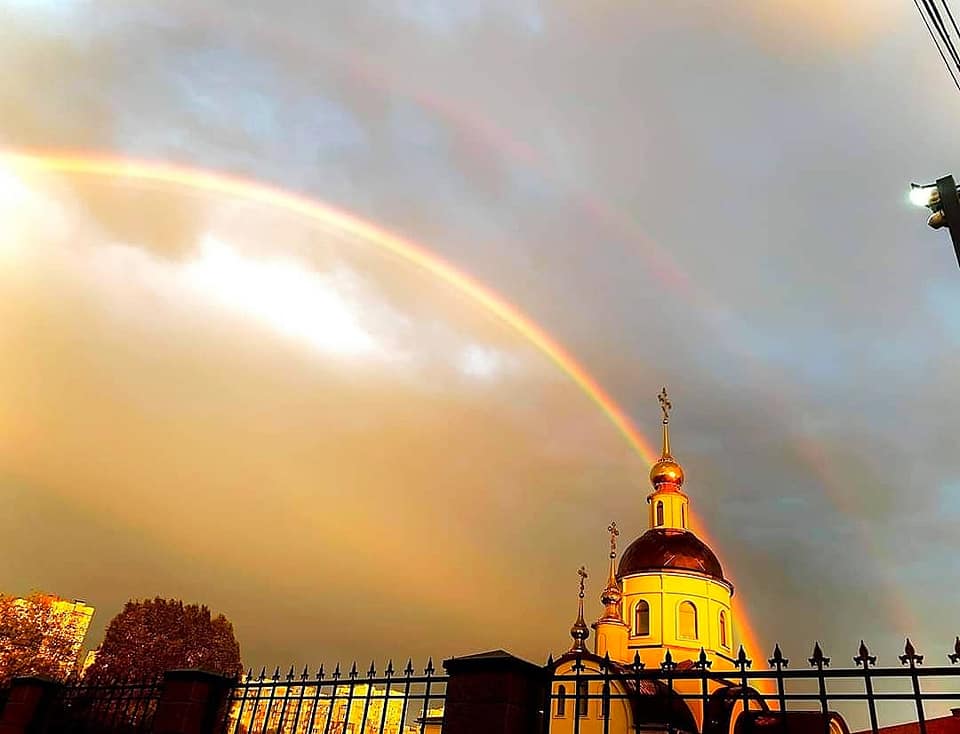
x=666, y=548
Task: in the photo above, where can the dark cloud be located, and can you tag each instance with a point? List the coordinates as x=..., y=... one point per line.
x=710, y=196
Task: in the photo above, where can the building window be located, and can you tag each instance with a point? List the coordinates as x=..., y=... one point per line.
x=562, y=701
x=641, y=618
x=687, y=621
x=582, y=701
x=659, y=513
x=723, y=630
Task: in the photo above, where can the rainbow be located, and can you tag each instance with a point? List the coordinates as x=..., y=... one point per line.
x=209, y=181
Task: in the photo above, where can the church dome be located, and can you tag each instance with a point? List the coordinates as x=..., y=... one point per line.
x=661, y=549
x=666, y=471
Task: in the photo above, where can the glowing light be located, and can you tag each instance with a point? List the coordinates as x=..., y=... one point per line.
x=922, y=195
x=282, y=294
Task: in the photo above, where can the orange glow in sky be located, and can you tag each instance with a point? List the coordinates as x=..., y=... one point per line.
x=216, y=261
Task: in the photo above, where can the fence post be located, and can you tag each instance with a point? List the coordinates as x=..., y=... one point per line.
x=191, y=702
x=493, y=692
x=30, y=705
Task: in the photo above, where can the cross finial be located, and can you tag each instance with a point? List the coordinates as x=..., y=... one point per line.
x=665, y=405
x=582, y=573
x=612, y=529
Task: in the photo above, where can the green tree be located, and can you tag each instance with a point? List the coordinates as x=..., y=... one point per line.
x=36, y=638
x=152, y=636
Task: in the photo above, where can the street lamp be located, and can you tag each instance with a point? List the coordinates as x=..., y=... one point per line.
x=940, y=198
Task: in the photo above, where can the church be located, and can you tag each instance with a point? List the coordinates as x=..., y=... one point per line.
x=666, y=602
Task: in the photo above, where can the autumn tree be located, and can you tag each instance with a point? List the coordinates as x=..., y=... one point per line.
x=37, y=638
x=152, y=636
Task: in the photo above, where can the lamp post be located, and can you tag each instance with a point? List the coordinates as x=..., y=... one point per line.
x=940, y=198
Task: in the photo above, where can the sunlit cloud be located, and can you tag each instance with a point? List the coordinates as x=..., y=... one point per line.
x=284, y=295
x=481, y=362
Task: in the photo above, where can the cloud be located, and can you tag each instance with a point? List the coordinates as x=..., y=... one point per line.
x=707, y=195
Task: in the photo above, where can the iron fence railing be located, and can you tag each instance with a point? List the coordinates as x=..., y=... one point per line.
x=120, y=708
x=394, y=702
x=587, y=693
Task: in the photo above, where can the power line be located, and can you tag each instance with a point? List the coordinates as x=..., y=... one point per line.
x=942, y=30
x=950, y=15
x=934, y=16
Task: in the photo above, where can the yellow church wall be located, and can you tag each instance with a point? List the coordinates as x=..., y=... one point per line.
x=592, y=720
x=676, y=509
x=664, y=592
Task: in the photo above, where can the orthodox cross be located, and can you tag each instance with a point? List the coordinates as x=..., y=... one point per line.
x=612, y=529
x=665, y=404
x=582, y=573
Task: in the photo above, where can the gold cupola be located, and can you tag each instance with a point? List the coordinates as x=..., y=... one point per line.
x=668, y=502
x=580, y=632
x=667, y=471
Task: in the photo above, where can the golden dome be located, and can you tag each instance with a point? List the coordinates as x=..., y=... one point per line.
x=666, y=471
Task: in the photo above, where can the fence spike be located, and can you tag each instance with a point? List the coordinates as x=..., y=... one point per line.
x=429, y=669
x=778, y=660
x=372, y=672
x=263, y=673
x=637, y=662
x=668, y=663
x=304, y=674
x=389, y=670
x=864, y=657
x=336, y=671
x=408, y=671
x=702, y=662
x=743, y=662
x=290, y=674
x=955, y=657
x=818, y=660
x=353, y=670
x=320, y=672
x=910, y=655
x=276, y=673
x=249, y=674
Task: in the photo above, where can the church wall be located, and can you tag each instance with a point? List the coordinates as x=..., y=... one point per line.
x=664, y=592
x=592, y=722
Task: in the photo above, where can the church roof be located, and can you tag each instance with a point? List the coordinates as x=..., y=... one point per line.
x=668, y=548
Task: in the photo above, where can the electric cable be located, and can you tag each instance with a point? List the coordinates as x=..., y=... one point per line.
x=933, y=38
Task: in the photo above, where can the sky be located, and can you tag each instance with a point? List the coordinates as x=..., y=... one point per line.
x=207, y=394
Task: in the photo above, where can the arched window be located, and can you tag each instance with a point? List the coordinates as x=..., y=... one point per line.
x=683, y=516
x=687, y=621
x=723, y=630
x=659, y=513
x=582, y=701
x=562, y=701
x=641, y=618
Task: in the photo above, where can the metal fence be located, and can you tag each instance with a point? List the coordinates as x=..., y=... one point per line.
x=120, y=708
x=393, y=702
x=589, y=694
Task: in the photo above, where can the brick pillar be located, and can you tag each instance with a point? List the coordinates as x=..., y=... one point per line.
x=30, y=706
x=191, y=702
x=493, y=693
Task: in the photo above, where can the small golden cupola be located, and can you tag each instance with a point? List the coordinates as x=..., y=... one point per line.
x=669, y=506
x=580, y=632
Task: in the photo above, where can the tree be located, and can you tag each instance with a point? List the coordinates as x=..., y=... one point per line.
x=37, y=637
x=152, y=636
